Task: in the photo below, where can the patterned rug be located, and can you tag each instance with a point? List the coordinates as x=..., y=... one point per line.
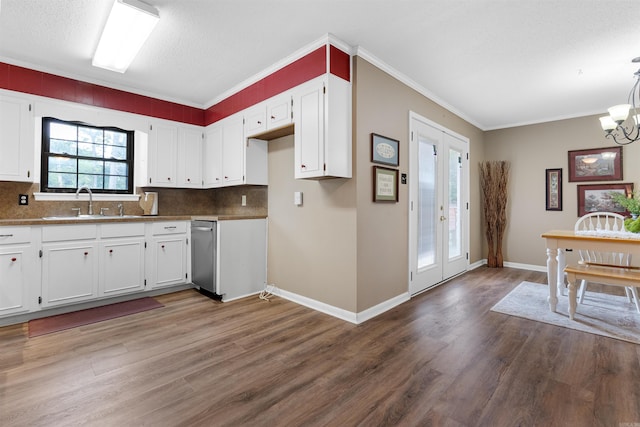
x=60, y=322
x=602, y=314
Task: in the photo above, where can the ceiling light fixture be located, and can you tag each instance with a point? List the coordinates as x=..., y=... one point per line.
x=128, y=27
x=613, y=124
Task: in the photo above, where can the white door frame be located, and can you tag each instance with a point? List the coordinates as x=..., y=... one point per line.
x=412, y=184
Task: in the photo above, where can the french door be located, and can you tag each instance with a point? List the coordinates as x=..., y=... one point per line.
x=438, y=204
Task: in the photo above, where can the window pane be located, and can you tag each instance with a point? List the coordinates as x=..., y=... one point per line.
x=62, y=164
x=115, y=138
x=90, y=150
x=115, y=182
x=115, y=168
x=63, y=131
x=91, y=181
x=91, y=167
x=60, y=146
x=455, y=235
x=427, y=203
x=118, y=153
x=90, y=135
x=62, y=180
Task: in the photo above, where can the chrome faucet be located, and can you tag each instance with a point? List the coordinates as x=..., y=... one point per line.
x=90, y=197
x=120, y=209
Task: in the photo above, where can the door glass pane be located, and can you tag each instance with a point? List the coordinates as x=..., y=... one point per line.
x=455, y=210
x=427, y=169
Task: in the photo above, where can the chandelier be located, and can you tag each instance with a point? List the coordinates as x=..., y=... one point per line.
x=614, y=123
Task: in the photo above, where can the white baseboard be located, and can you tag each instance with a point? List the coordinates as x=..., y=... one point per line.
x=531, y=267
x=387, y=305
x=517, y=265
x=340, y=313
x=370, y=313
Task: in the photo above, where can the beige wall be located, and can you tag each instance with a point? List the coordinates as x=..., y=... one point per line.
x=312, y=248
x=531, y=150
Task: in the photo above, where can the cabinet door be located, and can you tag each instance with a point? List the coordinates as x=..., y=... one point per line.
x=190, y=158
x=255, y=120
x=233, y=152
x=170, y=260
x=16, y=140
x=13, y=287
x=279, y=112
x=69, y=273
x=121, y=267
x=163, y=146
x=212, y=157
x=309, y=131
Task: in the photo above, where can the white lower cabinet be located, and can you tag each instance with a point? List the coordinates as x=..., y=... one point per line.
x=241, y=257
x=69, y=264
x=122, y=259
x=85, y=262
x=16, y=261
x=169, y=254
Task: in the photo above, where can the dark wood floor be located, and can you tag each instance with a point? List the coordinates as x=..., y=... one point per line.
x=441, y=359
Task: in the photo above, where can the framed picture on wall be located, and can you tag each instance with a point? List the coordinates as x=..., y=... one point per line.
x=384, y=150
x=385, y=184
x=598, y=164
x=597, y=198
x=554, y=189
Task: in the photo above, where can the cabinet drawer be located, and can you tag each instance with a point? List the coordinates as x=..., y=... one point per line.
x=159, y=228
x=53, y=233
x=11, y=235
x=122, y=229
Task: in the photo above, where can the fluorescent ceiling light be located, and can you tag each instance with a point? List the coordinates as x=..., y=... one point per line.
x=128, y=26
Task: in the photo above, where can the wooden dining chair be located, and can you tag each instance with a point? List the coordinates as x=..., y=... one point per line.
x=603, y=222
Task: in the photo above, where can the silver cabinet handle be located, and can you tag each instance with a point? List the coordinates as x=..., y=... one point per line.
x=6, y=235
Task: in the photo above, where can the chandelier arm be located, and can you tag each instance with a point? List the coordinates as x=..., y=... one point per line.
x=632, y=135
x=612, y=135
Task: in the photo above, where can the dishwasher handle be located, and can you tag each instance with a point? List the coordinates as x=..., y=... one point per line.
x=202, y=228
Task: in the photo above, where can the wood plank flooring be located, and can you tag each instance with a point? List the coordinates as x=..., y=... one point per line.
x=441, y=359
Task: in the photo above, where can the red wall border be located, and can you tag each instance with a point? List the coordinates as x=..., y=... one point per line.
x=25, y=80
x=39, y=83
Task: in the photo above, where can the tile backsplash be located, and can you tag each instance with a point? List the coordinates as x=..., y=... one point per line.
x=171, y=201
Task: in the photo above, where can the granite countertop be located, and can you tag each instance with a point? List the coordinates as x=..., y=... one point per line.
x=130, y=218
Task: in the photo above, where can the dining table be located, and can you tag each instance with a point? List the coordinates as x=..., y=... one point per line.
x=559, y=241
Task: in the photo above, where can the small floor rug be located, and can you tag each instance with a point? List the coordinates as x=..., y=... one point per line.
x=60, y=322
x=602, y=314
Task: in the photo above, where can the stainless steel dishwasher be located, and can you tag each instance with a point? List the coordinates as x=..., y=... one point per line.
x=203, y=255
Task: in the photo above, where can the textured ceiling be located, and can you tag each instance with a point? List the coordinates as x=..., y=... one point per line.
x=495, y=63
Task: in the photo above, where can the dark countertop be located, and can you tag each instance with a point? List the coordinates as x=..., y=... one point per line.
x=116, y=219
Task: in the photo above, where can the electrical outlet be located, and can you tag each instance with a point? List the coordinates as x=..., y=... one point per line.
x=244, y=200
x=23, y=199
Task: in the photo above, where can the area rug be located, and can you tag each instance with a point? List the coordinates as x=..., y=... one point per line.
x=602, y=314
x=60, y=322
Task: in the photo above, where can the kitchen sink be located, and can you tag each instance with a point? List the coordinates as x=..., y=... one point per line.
x=82, y=217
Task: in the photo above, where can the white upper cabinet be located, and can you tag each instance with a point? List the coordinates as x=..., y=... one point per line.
x=212, y=156
x=190, y=157
x=322, y=135
x=233, y=151
x=174, y=155
x=16, y=140
x=163, y=151
x=279, y=112
x=255, y=120
x=271, y=114
x=232, y=159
